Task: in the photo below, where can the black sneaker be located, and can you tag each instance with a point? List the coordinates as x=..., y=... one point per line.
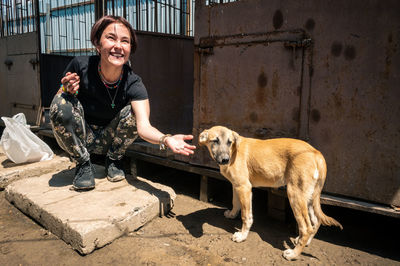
x=84, y=176
x=114, y=170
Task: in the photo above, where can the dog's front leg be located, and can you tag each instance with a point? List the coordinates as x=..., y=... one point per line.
x=245, y=198
x=231, y=214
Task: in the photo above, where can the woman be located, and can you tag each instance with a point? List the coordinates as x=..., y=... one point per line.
x=102, y=106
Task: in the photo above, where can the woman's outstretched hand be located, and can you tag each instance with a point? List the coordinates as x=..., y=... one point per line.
x=178, y=145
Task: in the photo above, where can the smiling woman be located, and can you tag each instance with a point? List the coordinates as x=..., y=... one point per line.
x=102, y=106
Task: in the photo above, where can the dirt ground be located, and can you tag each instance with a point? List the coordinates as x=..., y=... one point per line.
x=196, y=233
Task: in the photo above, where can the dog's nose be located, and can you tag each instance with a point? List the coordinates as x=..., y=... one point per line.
x=225, y=161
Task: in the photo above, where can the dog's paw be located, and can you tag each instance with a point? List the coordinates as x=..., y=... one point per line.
x=230, y=214
x=289, y=254
x=239, y=236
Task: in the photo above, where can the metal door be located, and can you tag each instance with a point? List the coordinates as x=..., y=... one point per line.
x=19, y=62
x=347, y=82
x=21, y=77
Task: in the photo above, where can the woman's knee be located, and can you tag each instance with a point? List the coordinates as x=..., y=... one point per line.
x=127, y=119
x=64, y=109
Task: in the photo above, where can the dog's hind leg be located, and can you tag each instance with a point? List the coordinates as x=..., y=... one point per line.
x=299, y=204
x=231, y=214
x=315, y=224
x=245, y=198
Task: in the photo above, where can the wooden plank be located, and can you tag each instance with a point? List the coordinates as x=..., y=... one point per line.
x=359, y=205
x=204, y=188
x=175, y=164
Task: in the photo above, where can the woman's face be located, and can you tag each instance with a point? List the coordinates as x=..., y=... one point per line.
x=115, y=44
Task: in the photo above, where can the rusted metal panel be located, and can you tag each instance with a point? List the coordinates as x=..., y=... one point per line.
x=254, y=98
x=355, y=111
x=340, y=83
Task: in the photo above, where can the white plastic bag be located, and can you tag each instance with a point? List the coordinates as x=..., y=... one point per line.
x=20, y=144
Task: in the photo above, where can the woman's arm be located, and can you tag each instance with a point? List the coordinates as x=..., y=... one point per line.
x=149, y=133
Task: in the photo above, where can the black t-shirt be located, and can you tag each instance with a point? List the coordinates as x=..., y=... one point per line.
x=93, y=95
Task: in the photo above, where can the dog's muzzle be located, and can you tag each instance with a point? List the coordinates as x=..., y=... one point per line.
x=222, y=160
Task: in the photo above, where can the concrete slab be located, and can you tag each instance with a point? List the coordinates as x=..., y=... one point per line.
x=10, y=171
x=92, y=219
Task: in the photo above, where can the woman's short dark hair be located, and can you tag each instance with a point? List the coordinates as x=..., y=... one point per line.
x=102, y=23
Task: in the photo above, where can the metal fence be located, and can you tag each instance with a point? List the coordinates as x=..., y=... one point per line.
x=65, y=24
x=17, y=17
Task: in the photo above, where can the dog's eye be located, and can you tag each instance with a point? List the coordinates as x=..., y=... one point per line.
x=229, y=142
x=216, y=140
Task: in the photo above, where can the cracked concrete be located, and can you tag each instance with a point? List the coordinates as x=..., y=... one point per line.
x=10, y=172
x=92, y=219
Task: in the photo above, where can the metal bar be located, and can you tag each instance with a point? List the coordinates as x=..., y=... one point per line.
x=22, y=17
x=84, y=16
x=124, y=8
x=38, y=52
x=6, y=25
x=59, y=28
x=189, y=18
x=293, y=36
x=181, y=18
x=9, y=15
x=173, y=16
x=113, y=7
x=32, y=13
x=72, y=28
x=47, y=35
x=147, y=15
x=1, y=20
x=79, y=29
x=137, y=14
x=155, y=16
x=169, y=12
x=164, y=28
x=27, y=21
x=13, y=15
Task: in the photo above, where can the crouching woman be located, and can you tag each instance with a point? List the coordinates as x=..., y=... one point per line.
x=102, y=106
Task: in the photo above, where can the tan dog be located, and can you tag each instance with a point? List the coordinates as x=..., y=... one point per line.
x=248, y=163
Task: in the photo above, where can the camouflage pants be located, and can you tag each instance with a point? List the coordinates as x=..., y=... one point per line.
x=79, y=139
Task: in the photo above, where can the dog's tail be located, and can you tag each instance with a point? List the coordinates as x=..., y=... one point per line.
x=316, y=201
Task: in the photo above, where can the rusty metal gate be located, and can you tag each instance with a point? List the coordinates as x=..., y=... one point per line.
x=19, y=58
x=303, y=69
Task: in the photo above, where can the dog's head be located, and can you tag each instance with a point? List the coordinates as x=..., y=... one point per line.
x=221, y=143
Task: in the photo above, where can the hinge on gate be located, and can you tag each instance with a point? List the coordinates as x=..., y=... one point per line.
x=34, y=62
x=8, y=62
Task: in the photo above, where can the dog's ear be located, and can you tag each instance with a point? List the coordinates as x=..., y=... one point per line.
x=203, y=137
x=236, y=138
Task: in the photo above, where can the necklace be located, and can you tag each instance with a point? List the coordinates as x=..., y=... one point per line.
x=108, y=87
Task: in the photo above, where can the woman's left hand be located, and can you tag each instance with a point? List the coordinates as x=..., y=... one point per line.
x=178, y=145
